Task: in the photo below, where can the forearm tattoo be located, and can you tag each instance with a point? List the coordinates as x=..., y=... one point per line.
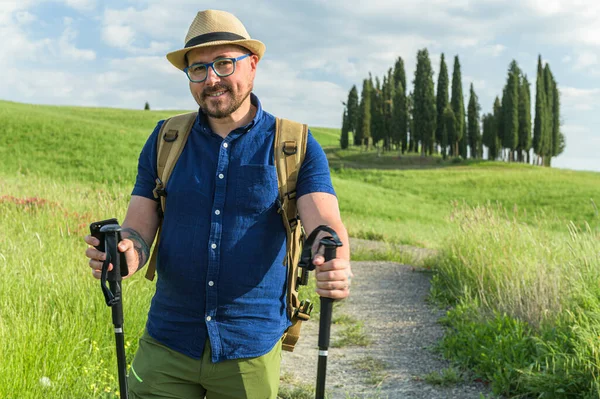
x=139, y=244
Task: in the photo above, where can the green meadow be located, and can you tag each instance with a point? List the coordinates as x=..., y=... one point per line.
x=518, y=253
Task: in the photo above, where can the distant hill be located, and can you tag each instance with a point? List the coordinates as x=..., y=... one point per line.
x=405, y=199
x=87, y=144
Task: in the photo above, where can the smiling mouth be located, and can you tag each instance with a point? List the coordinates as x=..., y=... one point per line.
x=216, y=94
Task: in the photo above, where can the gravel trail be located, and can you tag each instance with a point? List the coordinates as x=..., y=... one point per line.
x=390, y=299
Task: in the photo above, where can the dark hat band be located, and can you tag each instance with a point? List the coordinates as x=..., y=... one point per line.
x=213, y=37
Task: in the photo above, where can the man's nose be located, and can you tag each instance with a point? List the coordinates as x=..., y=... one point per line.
x=211, y=77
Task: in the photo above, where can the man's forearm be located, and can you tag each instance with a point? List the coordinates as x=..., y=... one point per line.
x=139, y=244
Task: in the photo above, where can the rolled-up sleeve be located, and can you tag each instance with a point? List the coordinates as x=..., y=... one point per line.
x=146, y=176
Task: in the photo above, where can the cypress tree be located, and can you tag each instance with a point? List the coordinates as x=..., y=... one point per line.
x=549, y=93
x=497, y=122
x=510, y=108
x=352, y=109
x=400, y=74
x=388, y=93
x=364, y=128
x=458, y=107
x=376, y=112
x=424, y=102
x=487, y=136
x=441, y=101
x=413, y=144
x=473, y=125
x=399, y=80
x=448, y=128
x=539, y=123
x=499, y=115
x=524, y=120
x=358, y=135
x=558, y=141
x=399, y=120
x=344, y=136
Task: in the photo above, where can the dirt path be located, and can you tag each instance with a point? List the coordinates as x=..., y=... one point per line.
x=389, y=299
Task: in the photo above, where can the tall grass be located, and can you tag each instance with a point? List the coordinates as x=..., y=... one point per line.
x=527, y=312
x=55, y=329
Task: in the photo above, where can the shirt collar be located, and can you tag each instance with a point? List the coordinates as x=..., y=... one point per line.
x=202, y=119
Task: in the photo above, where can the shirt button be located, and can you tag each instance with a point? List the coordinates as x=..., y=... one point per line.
x=221, y=175
x=217, y=212
x=208, y=318
x=214, y=246
x=225, y=145
x=211, y=283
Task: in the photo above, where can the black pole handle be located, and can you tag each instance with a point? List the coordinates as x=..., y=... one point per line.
x=112, y=293
x=326, y=303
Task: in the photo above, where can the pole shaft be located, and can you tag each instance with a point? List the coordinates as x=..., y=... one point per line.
x=322, y=365
x=121, y=361
x=324, y=333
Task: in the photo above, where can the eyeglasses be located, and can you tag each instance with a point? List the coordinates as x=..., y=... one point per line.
x=223, y=67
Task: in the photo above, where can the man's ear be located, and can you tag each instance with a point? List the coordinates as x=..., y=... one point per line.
x=253, y=61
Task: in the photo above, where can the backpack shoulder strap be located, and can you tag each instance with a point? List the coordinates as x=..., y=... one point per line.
x=289, y=152
x=290, y=149
x=170, y=143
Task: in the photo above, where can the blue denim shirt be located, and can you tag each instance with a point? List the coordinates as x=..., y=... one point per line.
x=220, y=260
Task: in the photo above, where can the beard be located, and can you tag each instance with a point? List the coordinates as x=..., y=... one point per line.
x=224, y=106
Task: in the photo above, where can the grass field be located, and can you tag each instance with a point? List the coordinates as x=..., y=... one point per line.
x=536, y=231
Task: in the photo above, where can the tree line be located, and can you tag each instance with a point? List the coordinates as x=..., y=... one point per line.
x=433, y=121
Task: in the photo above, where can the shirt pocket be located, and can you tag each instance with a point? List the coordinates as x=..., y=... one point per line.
x=256, y=188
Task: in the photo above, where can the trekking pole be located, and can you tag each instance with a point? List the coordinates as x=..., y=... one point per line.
x=113, y=296
x=330, y=245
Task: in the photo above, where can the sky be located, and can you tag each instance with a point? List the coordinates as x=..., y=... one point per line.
x=112, y=53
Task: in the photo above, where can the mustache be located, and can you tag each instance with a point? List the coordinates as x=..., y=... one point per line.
x=215, y=89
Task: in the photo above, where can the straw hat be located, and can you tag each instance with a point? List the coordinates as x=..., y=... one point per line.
x=214, y=28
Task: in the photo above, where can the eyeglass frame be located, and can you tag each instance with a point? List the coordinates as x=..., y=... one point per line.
x=209, y=65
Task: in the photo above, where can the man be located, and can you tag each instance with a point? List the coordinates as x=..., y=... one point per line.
x=215, y=324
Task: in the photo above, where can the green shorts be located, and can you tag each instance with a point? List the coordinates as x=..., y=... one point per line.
x=160, y=372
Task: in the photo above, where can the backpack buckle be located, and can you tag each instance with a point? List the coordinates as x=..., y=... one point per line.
x=290, y=148
x=304, y=310
x=159, y=189
x=171, y=135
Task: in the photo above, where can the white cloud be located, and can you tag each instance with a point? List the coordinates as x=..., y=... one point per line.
x=545, y=7
x=68, y=50
x=580, y=140
x=586, y=59
x=119, y=36
x=478, y=84
x=580, y=99
x=492, y=50
x=161, y=21
x=22, y=48
x=125, y=29
x=81, y=5
x=24, y=17
x=576, y=129
x=573, y=23
x=290, y=96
